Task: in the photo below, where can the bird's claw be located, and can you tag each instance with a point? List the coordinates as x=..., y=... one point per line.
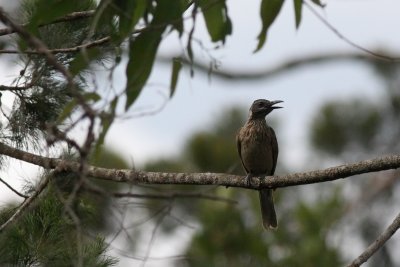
x=248, y=179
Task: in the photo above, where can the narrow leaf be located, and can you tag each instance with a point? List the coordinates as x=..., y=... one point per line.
x=129, y=13
x=218, y=23
x=142, y=52
x=189, y=50
x=176, y=67
x=176, y=10
x=269, y=11
x=143, y=49
x=318, y=2
x=83, y=59
x=67, y=111
x=45, y=11
x=69, y=107
x=106, y=121
x=298, y=4
x=92, y=96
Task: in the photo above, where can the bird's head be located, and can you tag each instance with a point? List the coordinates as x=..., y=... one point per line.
x=262, y=107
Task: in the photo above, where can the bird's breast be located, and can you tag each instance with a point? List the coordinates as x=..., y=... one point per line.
x=256, y=148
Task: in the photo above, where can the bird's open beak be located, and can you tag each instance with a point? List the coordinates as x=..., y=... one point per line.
x=275, y=102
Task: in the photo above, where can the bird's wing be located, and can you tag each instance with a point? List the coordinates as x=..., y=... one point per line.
x=274, y=146
x=239, y=149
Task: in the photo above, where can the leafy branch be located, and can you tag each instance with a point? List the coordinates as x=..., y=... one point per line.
x=69, y=17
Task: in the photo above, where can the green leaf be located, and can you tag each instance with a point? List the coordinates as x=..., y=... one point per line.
x=143, y=48
x=176, y=67
x=269, y=11
x=120, y=15
x=190, y=50
x=170, y=13
x=83, y=59
x=176, y=10
x=92, y=96
x=40, y=12
x=318, y=2
x=46, y=11
x=218, y=23
x=129, y=13
x=298, y=4
x=69, y=107
x=67, y=111
x=106, y=121
x=142, y=52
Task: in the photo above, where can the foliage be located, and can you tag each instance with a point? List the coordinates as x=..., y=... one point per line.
x=46, y=236
x=49, y=105
x=46, y=90
x=140, y=23
x=350, y=124
x=232, y=235
x=352, y=129
x=296, y=243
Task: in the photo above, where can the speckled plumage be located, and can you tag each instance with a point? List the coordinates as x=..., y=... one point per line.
x=258, y=150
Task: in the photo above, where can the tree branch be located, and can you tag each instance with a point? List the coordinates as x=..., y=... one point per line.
x=69, y=17
x=281, y=68
x=346, y=39
x=15, y=88
x=27, y=202
x=378, y=243
x=229, y=180
x=12, y=189
x=74, y=49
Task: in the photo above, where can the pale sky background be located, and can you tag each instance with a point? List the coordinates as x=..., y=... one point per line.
x=197, y=101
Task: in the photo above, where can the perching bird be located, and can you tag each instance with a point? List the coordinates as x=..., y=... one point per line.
x=258, y=150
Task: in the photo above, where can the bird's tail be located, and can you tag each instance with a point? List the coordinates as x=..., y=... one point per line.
x=267, y=209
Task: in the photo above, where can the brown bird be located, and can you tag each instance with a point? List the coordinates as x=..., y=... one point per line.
x=258, y=150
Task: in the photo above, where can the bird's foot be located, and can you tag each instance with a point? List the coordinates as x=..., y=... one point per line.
x=248, y=179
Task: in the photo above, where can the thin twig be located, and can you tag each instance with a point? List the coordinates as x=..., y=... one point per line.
x=74, y=49
x=12, y=189
x=282, y=68
x=157, y=225
x=161, y=196
x=347, y=40
x=15, y=88
x=378, y=243
x=175, y=195
x=27, y=202
x=69, y=17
